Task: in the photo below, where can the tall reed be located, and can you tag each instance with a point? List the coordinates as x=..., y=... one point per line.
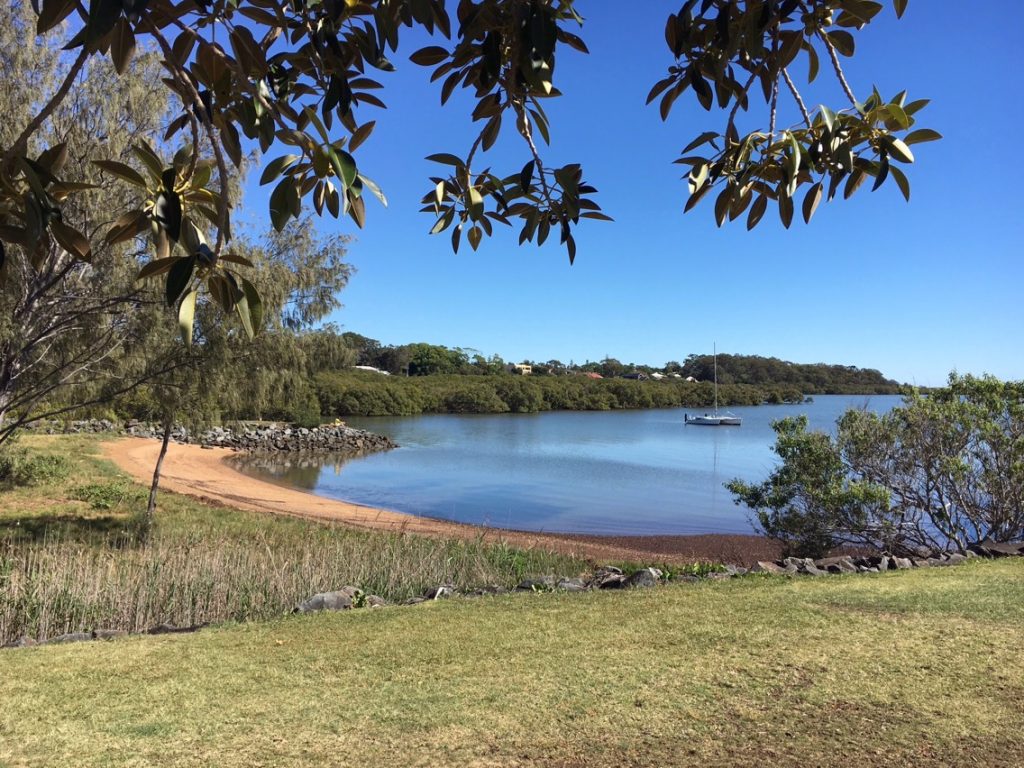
x=59, y=585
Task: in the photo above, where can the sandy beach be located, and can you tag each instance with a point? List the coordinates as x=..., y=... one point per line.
x=204, y=474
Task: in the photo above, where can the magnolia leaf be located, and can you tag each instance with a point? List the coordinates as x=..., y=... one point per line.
x=158, y=267
x=178, y=278
x=921, y=135
x=186, y=317
x=71, y=240
x=122, y=171
x=811, y=201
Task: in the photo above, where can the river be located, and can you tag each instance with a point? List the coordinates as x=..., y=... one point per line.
x=600, y=472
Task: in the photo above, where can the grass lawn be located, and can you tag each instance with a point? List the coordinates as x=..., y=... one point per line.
x=918, y=668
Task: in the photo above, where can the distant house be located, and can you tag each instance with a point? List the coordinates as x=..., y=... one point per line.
x=521, y=368
x=690, y=378
x=591, y=375
x=636, y=376
x=657, y=376
x=371, y=369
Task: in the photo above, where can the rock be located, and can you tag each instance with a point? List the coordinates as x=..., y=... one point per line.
x=440, y=593
x=837, y=564
x=688, y=579
x=375, y=601
x=921, y=563
x=542, y=584
x=70, y=637
x=734, y=570
x=902, y=563
x=171, y=629
x=776, y=569
x=645, y=577
x=718, y=576
x=22, y=642
x=414, y=601
x=571, y=585
x=955, y=558
x=607, y=577
x=108, y=634
x=340, y=600
x=989, y=548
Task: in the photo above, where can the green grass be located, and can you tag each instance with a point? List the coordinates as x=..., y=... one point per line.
x=913, y=668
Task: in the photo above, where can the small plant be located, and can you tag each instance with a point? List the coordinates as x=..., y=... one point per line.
x=19, y=468
x=698, y=569
x=104, y=496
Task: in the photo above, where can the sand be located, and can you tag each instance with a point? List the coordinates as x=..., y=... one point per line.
x=204, y=474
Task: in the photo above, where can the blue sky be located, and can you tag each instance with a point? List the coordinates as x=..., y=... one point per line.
x=915, y=290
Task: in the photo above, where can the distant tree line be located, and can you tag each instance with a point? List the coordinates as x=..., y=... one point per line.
x=358, y=393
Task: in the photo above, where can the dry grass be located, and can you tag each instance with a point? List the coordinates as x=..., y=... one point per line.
x=901, y=669
x=69, y=561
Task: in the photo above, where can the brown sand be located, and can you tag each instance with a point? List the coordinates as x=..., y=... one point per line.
x=204, y=474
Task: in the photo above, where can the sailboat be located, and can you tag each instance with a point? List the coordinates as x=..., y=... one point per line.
x=715, y=419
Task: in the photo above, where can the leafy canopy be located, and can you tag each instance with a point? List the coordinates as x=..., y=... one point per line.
x=292, y=79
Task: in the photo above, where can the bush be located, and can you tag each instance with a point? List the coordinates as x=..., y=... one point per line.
x=19, y=468
x=103, y=496
x=940, y=472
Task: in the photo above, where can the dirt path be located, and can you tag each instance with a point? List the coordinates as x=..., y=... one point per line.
x=203, y=473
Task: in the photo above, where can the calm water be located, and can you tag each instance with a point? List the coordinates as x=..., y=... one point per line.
x=617, y=472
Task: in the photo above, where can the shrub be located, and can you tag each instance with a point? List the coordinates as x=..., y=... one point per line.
x=19, y=468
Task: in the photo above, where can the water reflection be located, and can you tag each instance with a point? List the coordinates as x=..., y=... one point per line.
x=633, y=472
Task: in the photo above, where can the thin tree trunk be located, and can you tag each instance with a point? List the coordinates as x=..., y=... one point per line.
x=151, y=508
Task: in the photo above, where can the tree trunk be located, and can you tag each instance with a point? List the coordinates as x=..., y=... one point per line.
x=147, y=528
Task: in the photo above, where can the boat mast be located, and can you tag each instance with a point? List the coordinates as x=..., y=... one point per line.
x=715, y=348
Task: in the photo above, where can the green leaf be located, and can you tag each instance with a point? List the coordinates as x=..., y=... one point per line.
x=53, y=13
x=186, y=317
x=446, y=159
x=704, y=138
x=921, y=135
x=757, y=212
x=178, y=278
x=375, y=189
x=280, y=208
x=71, y=240
x=474, y=236
x=250, y=308
x=158, y=267
x=898, y=149
x=811, y=201
x=476, y=204
x=127, y=226
x=344, y=165
x=234, y=258
x=122, y=46
x=842, y=41
x=275, y=167
x=786, y=210
x=901, y=181
x=167, y=213
x=122, y=171
x=429, y=56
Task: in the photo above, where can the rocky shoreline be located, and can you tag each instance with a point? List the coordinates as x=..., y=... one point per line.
x=604, y=577
x=256, y=438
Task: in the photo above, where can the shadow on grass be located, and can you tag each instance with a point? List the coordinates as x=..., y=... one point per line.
x=109, y=530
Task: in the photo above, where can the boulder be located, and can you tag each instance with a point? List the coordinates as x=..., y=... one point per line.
x=607, y=577
x=776, y=569
x=955, y=558
x=542, y=584
x=341, y=600
x=440, y=592
x=734, y=570
x=645, y=577
x=837, y=564
x=70, y=637
x=22, y=642
x=375, y=601
x=108, y=634
x=571, y=585
x=989, y=548
x=902, y=563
